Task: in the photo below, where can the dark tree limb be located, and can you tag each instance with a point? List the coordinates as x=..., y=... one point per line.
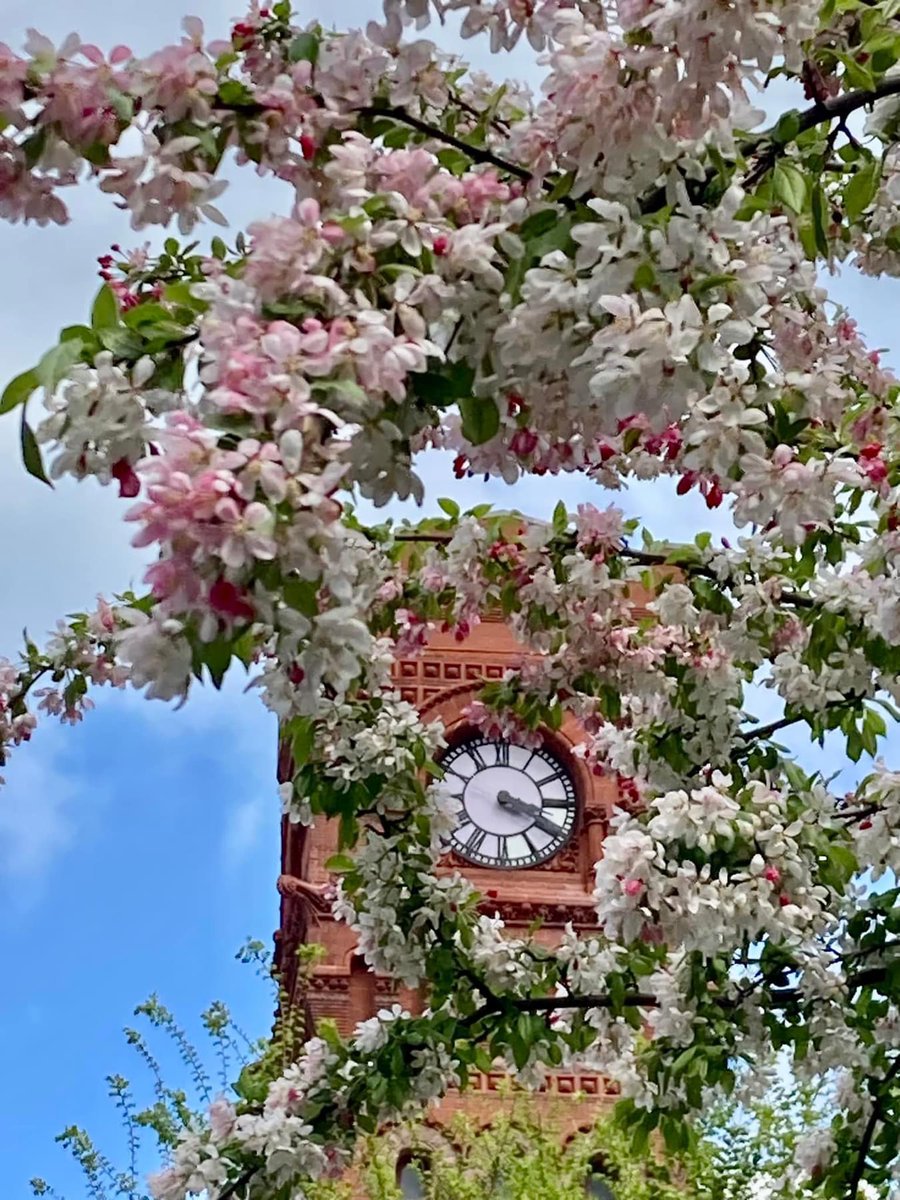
x=871, y=1125
x=476, y=153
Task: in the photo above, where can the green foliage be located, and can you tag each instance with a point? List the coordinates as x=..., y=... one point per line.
x=522, y=1155
x=743, y=1146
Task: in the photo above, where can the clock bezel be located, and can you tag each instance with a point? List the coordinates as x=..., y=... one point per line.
x=550, y=749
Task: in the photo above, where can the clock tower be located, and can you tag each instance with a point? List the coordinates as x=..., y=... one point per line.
x=531, y=827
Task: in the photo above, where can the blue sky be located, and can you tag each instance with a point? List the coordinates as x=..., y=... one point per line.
x=138, y=851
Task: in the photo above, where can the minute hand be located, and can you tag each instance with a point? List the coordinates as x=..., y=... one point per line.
x=513, y=804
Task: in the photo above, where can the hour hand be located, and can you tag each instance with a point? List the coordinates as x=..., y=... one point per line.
x=505, y=800
x=514, y=804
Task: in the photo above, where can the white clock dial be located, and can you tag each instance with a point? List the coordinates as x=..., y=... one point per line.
x=518, y=805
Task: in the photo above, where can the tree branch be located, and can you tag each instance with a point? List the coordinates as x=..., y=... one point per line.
x=871, y=1126
x=662, y=560
x=765, y=731
x=476, y=153
x=842, y=106
x=835, y=107
x=241, y=1181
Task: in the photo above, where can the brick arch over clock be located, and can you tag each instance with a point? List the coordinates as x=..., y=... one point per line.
x=442, y=682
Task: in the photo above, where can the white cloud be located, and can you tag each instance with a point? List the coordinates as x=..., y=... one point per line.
x=36, y=819
x=242, y=827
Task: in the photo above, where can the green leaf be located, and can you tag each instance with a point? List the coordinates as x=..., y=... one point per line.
x=480, y=419
x=300, y=594
x=18, y=390
x=856, y=74
x=31, y=454
x=235, y=93
x=450, y=507
x=83, y=333
x=122, y=342
x=563, y=186
x=538, y=223
x=644, y=277
x=820, y=217
x=861, y=189
x=33, y=147
x=304, y=48
x=105, y=310
x=560, y=518
x=444, y=385
x=787, y=128
x=217, y=657
x=339, y=863
x=709, y=282
x=146, y=314
x=303, y=739
x=56, y=363
x=789, y=183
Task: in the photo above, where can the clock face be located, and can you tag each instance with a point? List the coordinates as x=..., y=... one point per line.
x=518, y=805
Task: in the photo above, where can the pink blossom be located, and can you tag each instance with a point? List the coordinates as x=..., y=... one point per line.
x=596, y=528
x=389, y=590
x=257, y=465
x=248, y=532
x=222, y=1117
x=412, y=633
x=523, y=442
x=433, y=578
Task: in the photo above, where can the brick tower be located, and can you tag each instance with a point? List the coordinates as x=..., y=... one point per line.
x=528, y=836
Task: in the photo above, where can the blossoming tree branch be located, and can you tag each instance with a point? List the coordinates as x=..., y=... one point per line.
x=617, y=276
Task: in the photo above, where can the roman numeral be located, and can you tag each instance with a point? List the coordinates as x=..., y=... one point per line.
x=480, y=763
x=554, y=775
x=474, y=840
x=502, y=754
x=503, y=858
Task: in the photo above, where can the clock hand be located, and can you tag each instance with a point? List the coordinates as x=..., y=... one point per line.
x=513, y=804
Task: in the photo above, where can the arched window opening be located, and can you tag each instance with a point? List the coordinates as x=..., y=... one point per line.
x=411, y=1172
x=597, y=1184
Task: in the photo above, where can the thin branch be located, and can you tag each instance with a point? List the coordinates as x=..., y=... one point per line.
x=839, y=107
x=761, y=732
x=663, y=560
x=842, y=106
x=551, y=1003
x=871, y=1125
x=242, y=1180
x=476, y=153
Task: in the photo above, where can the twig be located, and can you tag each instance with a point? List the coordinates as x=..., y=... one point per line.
x=766, y=731
x=839, y=107
x=476, y=153
x=871, y=1125
x=242, y=1180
